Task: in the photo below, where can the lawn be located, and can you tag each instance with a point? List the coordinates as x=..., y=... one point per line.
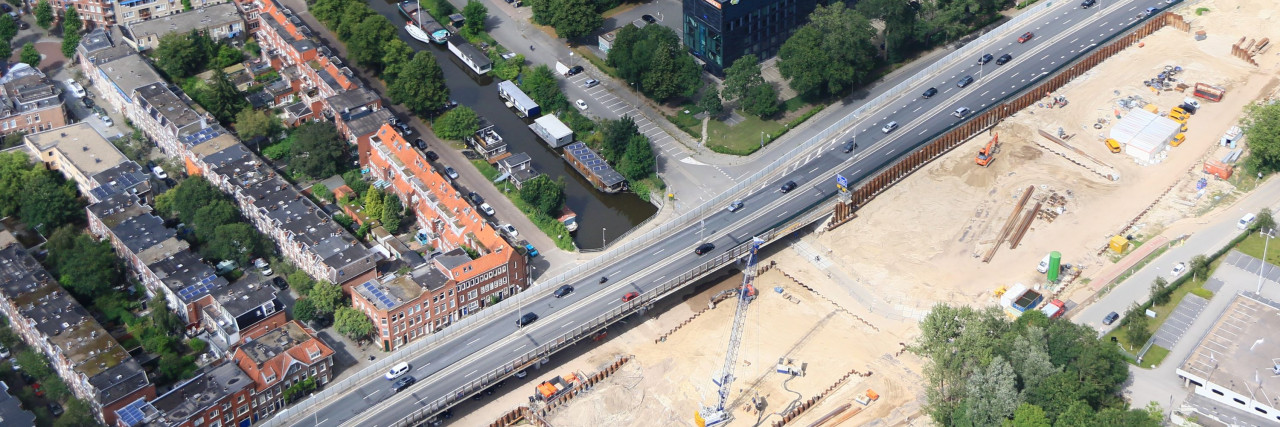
x=1254, y=244
x=1156, y=354
x=744, y=138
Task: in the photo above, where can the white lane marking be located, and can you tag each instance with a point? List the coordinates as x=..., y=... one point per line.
x=472, y=373
x=567, y=325
x=890, y=152
x=423, y=366
x=917, y=110
x=815, y=169
x=473, y=341
x=518, y=348
x=780, y=214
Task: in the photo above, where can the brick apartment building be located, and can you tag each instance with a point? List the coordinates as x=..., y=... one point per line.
x=94, y=366
x=30, y=102
x=451, y=285
x=281, y=358
x=220, y=396
x=219, y=21
x=106, y=13
x=83, y=156
x=311, y=73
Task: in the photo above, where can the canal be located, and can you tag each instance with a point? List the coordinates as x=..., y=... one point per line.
x=602, y=217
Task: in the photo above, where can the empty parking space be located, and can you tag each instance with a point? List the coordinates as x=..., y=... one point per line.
x=615, y=107
x=1179, y=320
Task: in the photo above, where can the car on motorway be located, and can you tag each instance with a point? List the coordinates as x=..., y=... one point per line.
x=422, y=145
x=574, y=70
x=1110, y=318
x=526, y=319
x=603, y=279
x=704, y=248
x=453, y=174
x=1088, y=4
x=582, y=105
x=488, y=210
x=1178, y=269
x=522, y=374
x=509, y=229
x=1004, y=59
x=397, y=370
x=475, y=198
x=563, y=291
x=1026, y=37
x=1152, y=11
x=529, y=249
x=734, y=206
x=848, y=147
x=432, y=156
x=630, y=296
x=403, y=383
x=985, y=58
x=961, y=112
x=889, y=127
x=965, y=81
x=648, y=18
x=788, y=186
x=929, y=93
x=75, y=88
x=590, y=83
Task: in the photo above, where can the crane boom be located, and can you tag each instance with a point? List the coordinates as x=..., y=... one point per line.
x=712, y=415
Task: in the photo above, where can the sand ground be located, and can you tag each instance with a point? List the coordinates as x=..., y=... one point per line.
x=919, y=243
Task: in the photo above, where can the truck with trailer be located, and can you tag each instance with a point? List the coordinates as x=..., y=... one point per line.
x=1210, y=92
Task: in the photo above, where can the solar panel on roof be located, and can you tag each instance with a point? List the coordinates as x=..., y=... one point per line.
x=132, y=414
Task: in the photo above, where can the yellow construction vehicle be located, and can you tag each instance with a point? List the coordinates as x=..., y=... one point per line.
x=1178, y=139
x=988, y=153
x=1113, y=145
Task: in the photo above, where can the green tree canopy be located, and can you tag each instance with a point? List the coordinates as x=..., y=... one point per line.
x=420, y=86
x=474, y=13
x=543, y=194
x=186, y=198
x=317, y=150
x=304, y=310
x=301, y=282
x=326, y=297
x=1264, y=220
x=209, y=217
x=711, y=102
x=352, y=323
x=575, y=18
x=48, y=201
x=71, y=23
x=75, y=413
x=8, y=28
x=44, y=14
x=30, y=55
x=541, y=85
x=392, y=212
x=365, y=45
x=830, y=54
x=638, y=162
x=181, y=55
x=395, y=56
x=457, y=124
x=353, y=14
x=252, y=123
x=15, y=172
x=654, y=60
x=88, y=268
x=743, y=75
x=224, y=99
x=239, y=242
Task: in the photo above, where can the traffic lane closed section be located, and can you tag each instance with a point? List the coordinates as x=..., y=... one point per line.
x=499, y=327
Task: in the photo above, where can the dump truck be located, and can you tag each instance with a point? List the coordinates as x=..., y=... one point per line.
x=1210, y=92
x=988, y=153
x=1054, y=309
x=1218, y=169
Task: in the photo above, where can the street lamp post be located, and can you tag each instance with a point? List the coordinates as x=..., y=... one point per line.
x=603, y=235
x=1268, y=235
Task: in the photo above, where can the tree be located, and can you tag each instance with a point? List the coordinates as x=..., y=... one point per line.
x=328, y=12
x=15, y=172
x=326, y=297
x=44, y=14
x=70, y=42
x=353, y=14
x=544, y=11
x=1028, y=415
x=30, y=55
x=304, y=310
x=710, y=102
x=34, y=363
x=238, y=242
x=48, y=202
x=1261, y=124
x=180, y=55
x=88, y=268
x=301, y=282
x=373, y=203
x=1199, y=266
x=317, y=150
x=992, y=393
x=252, y=123
x=420, y=86
x=8, y=28
x=541, y=85
x=71, y=23
x=1077, y=414
x=163, y=318
x=224, y=99
x=575, y=18
x=1158, y=294
x=474, y=13
x=546, y=196
x=75, y=413
x=457, y=123
x=1030, y=358
x=830, y=54
x=392, y=212
x=356, y=181
x=638, y=162
x=395, y=56
x=671, y=73
x=616, y=135
x=225, y=56
x=761, y=101
x=365, y=45
x=208, y=218
x=352, y=323
x=654, y=55
x=1264, y=220
x=189, y=196
x=1135, y=327
x=742, y=76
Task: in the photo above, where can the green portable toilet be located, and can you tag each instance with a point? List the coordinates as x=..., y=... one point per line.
x=1055, y=266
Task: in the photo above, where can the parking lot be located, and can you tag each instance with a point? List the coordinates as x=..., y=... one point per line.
x=1179, y=320
x=602, y=104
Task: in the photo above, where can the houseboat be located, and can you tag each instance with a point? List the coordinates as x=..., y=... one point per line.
x=428, y=29
x=594, y=168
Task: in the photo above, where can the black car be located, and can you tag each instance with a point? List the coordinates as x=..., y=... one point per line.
x=526, y=319
x=574, y=71
x=279, y=283
x=1111, y=318
x=432, y=156
x=87, y=103
x=965, y=81
x=422, y=145
x=403, y=383
x=649, y=19
x=475, y=198
x=704, y=248
x=1088, y=4
x=986, y=57
x=22, y=25
x=1004, y=59
x=55, y=409
x=790, y=185
x=563, y=291
x=6, y=8
x=930, y=92
x=848, y=147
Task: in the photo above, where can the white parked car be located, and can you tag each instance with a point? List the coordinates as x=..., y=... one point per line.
x=509, y=229
x=159, y=172
x=488, y=210
x=889, y=127
x=1178, y=269
x=106, y=120
x=582, y=105
x=75, y=88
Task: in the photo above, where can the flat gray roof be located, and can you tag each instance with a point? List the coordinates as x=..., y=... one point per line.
x=1241, y=348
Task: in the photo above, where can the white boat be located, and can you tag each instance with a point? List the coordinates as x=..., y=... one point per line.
x=417, y=33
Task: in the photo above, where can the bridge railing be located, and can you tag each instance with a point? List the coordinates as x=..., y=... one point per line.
x=511, y=304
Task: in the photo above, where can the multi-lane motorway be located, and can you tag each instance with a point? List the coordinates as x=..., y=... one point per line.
x=1061, y=33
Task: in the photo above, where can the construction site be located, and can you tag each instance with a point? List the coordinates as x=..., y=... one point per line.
x=1078, y=174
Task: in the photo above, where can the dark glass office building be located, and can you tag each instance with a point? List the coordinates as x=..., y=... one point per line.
x=721, y=31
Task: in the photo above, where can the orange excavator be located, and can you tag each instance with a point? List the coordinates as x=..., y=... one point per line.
x=988, y=153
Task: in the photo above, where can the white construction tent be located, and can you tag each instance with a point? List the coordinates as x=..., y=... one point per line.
x=1145, y=135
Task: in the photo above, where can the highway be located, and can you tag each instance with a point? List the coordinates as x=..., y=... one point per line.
x=1061, y=33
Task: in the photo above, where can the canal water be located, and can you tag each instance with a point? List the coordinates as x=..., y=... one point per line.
x=602, y=217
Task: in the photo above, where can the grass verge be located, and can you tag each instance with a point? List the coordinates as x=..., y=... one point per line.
x=1253, y=246
x=552, y=227
x=1192, y=285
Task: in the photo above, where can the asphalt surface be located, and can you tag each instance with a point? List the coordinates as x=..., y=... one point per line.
x=1061, y=34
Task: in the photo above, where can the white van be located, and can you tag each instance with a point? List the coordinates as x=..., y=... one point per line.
x=1245, y=221
x=1044, y=265
x=398, y=370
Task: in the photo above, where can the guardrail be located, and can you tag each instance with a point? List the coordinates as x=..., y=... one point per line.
x=716, y=203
